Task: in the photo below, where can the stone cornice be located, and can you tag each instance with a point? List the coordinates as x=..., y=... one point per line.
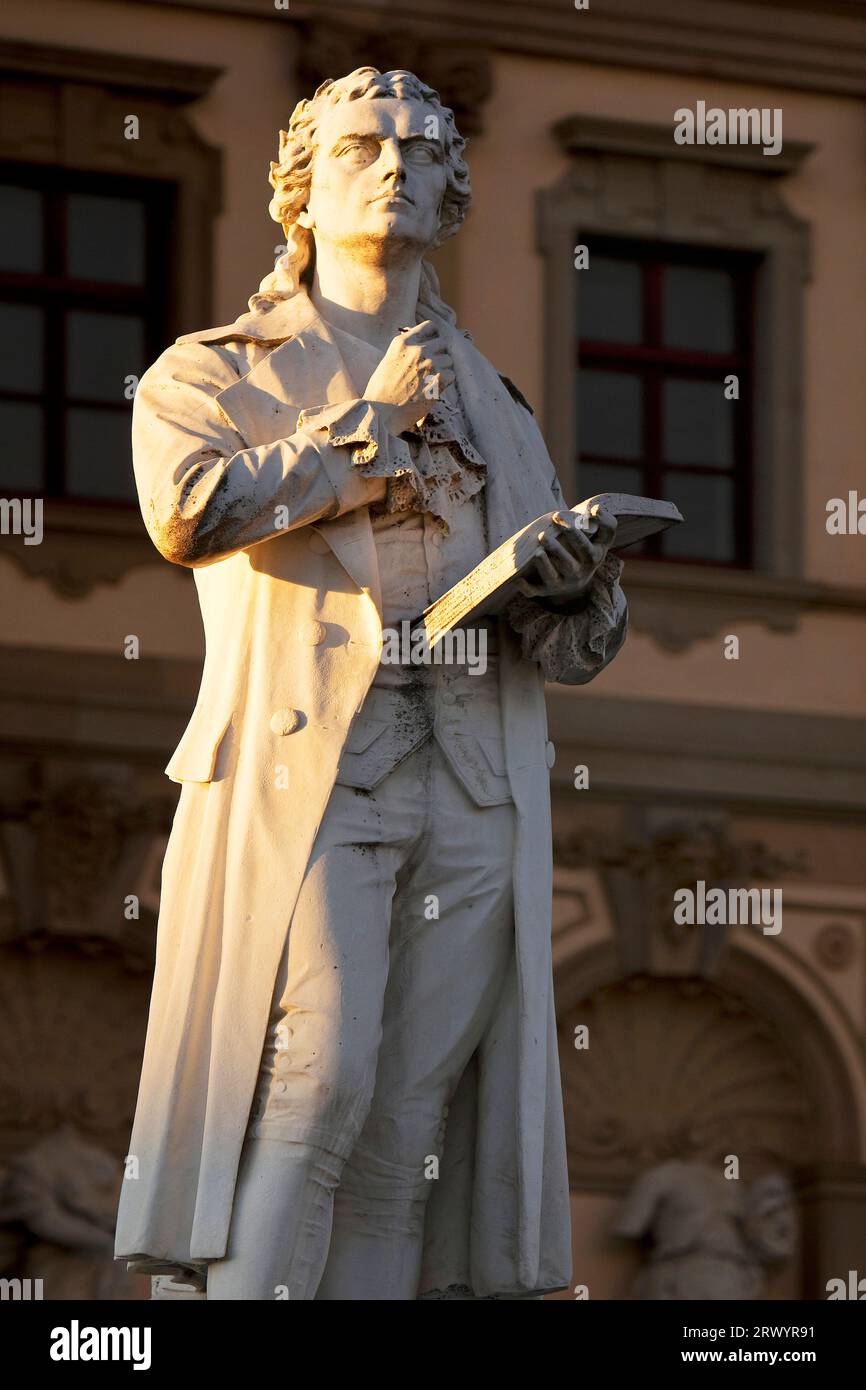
x=601, y=135
x=98, y=704
x=729, y=756
x=782, y=43
x=175, y=82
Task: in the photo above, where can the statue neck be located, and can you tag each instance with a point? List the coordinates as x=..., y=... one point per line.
x=371, y=298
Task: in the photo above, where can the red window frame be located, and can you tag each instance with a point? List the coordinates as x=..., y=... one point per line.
x=655, y=362
x=56, y=292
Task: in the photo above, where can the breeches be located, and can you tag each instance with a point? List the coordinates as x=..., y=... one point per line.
x=396, y=955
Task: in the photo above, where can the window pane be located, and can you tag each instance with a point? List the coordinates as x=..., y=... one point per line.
x=21, y=427
x=609, y=301
x=610, y=413
x=698, y=423
x=98, y=454
x=101, y=350
x=707, y=505
x=20, y=347
x=607, y=477
x=20, y=228
x=698, y=309
x=105, y=239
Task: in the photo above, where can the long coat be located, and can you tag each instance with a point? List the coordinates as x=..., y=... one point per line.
x=215, y=453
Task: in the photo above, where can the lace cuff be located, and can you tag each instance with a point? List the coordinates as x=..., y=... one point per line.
x=574, y=647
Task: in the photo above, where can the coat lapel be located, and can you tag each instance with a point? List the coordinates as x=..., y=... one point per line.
x=304, y=370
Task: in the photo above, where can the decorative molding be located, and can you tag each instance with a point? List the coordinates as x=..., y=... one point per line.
x=679, y=752
x=66, y=108
x=461, y=74
x=832, y=1198
x=782, y=43
x=74, y=121
x=93, y=704
x=581, y=134
x=835, y=946
x=70, y=1049
x=176, y=83
x=678, y=1069
x=800, y=1047
x=72, y=852
x=642, y=873
x=658, y=196
x=84, y=545
x=680, y=604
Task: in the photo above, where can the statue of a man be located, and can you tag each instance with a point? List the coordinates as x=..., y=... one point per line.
x=350, y=1086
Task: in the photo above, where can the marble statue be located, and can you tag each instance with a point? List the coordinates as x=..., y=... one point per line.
x=350, y=1086
x=712, y=1237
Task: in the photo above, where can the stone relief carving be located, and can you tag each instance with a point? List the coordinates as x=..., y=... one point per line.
x=710, y=1237
x=677, y=1070
x=642, y=872
x=58, y=1199
x=73, y=854
x=461, y=73
x=71, y=1043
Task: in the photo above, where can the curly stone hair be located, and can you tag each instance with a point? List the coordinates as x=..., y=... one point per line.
x=291, y=175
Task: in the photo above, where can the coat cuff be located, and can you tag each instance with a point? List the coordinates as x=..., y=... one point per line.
x=359, y=424
x=573, y=647
x=355, y=424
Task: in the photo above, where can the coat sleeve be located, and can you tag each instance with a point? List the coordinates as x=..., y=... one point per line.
x=204, y=494
x=572, y=647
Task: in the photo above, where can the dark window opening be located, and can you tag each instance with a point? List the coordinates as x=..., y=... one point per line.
x=84, y=295
x=659, y=329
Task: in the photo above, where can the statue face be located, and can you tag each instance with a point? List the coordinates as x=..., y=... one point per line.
x=377, y=178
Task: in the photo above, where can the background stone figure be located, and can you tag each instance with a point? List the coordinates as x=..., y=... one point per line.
x=710, y=1237
x=58, y=1201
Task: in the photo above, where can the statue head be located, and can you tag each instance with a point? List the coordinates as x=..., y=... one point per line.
x=770, y=1217
x=373, y=160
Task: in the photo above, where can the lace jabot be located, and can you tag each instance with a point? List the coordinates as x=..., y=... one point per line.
x=435, y=469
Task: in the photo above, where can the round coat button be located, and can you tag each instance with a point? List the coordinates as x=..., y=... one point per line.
x=318, y=544
x=314, y=632
x=550, y=753
x=285, y=721
x=448, y=697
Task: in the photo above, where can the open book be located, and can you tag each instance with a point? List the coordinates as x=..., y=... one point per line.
x=489, y=587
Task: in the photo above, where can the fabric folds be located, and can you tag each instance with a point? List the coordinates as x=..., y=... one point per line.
x=434, y=469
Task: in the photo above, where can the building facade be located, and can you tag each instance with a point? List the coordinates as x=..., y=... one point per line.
x=685, y=319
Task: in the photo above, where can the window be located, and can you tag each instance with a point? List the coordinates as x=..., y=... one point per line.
x=84, y=289
x=660, y=327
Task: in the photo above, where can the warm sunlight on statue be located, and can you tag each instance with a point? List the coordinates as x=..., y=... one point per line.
x=350, y=1086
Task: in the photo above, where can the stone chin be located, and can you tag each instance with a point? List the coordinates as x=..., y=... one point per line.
x=380, y=244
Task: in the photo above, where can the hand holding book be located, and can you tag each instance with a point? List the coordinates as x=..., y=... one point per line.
x=568, y=557
x=518, y=561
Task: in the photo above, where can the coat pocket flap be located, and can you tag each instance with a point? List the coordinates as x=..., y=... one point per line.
x=195, y=757
x=362, y=734
x=494, y=752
